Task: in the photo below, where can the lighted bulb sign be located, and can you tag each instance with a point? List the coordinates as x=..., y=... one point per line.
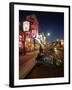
x=26, y=26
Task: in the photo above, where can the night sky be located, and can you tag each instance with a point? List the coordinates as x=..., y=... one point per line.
x=52, y=22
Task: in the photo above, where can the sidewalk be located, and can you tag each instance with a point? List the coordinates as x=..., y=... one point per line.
x=26, y=63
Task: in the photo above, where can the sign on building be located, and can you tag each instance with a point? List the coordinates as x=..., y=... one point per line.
x=26, y=25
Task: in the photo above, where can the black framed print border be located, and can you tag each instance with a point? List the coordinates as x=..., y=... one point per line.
x=39, y=51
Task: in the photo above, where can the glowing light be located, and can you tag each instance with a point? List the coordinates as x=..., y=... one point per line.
x=26, y=25
x=55, y=49
x=44, y=38
x=57, y=39
x=28, y=39
x=48, y=34
x=62, y=42
x=20, y=37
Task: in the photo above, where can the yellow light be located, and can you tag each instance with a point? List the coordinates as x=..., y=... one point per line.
x=55, y=49
x=62, y=42
x=28, y=39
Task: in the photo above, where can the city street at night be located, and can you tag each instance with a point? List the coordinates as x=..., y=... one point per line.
x=41, y=44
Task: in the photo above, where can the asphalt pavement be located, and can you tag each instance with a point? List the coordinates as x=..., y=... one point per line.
x=45, y=70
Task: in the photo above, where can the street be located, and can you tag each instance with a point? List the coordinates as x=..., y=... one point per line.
x=45, y=71
x=30, y=67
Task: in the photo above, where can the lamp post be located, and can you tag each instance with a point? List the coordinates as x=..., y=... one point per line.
x=26, y=27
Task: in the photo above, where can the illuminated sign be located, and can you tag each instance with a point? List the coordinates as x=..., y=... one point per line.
x=26, y=26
